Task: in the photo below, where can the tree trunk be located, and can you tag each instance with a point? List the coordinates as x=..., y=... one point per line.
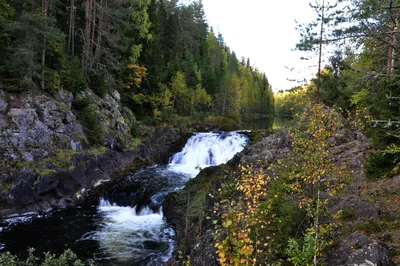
x=100, y=28
x=93, y=34
x=86, y=45
x=71, y=30
x=320, y=50
x=44, y=11
x=316, y=246
x=392, y=27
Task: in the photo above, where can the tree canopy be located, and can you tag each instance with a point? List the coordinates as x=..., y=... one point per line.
x=148, y=50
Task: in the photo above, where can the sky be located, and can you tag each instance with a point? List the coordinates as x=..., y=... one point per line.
x=264, y=31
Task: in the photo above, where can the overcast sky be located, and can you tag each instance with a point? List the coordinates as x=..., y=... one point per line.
x=264, y=31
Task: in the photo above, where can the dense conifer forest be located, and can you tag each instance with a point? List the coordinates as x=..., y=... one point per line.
x=161, y=56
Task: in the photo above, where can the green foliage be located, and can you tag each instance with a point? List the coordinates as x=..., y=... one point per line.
x=160, y=55
x=202, y=101
x=346, y=214
x=82, y=102
x=97, y=83
x=362, y=75
x=369, y=227
x=5, y=10
x=301, y=251
x=53, y=80
x=68, y=258
x=135, y=130
x=20, y=58
x=291, y=102
x=255, y=218
x=310, y=170
x=393, y=151
x=181, y=94
x=378, y=165
x=90, y=119
x=72, y=78
x=230, y=98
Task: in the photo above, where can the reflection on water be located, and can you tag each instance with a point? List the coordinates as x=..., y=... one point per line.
x=282, y=122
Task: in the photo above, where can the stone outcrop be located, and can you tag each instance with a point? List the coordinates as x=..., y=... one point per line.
x=45, y=160
x=360, y=209
x=360, y=250
x=267, y=150
x=33, y=193
x=32, y=124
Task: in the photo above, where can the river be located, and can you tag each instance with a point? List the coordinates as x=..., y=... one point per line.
x=127, y=226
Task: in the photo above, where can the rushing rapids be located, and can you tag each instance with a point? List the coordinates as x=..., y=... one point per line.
x=127, y=227
x=207, y=149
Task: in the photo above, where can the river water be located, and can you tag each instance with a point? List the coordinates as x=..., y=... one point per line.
x=127, y=226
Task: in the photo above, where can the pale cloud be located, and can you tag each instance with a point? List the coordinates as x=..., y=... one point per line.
x=264, y=31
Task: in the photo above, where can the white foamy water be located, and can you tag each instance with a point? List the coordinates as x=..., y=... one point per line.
x=126, y=235
x=207, y=149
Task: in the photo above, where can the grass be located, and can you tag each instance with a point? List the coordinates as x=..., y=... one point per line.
x=369, y=226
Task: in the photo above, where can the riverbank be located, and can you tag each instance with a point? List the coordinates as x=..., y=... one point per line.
x=366, y=230
x=48, y=160
x=123, y=224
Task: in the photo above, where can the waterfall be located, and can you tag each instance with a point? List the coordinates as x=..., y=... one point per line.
x=132, y=227
x=127, y=227
x=207, y=149
x=125, y=231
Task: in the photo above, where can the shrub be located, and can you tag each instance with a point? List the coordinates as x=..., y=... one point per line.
x=80, y=103
x=89, y=118
x=378, y=165
x=97, y=83
x=68, y=258
x=53, y=80
x=72, y=78
x=91, y=124
x=346, y=214
x=135, y=130
x=369, y=226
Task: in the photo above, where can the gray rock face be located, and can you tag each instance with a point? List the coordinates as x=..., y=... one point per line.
x=31, y=193
x=267, y=150
x=21, y=193
x=204, y=253
x=33, y=124
x=115, y=118
x=360, y=250
x=362, y=209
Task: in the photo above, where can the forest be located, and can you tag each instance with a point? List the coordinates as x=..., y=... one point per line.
x=356, y=89
x=322, y=191
x=161, y=56
x=361, y=76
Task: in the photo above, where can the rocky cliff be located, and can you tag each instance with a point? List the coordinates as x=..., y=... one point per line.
x=46, y=159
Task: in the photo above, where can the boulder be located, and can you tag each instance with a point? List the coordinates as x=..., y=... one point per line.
x=33, y=124
x=360, y=208
x=359, y=250
x=21, y=193
x=47, y=184
x=266, y=150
